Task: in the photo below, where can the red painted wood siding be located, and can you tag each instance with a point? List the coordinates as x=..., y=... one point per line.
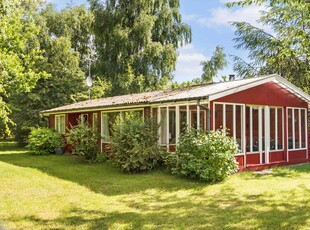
x=51, y=121
x=266, y=94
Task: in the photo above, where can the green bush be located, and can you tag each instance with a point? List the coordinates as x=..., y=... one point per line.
x=208, y=157
x=135, y=144
x=22, y=134
x=44, y=141
x=84, y=140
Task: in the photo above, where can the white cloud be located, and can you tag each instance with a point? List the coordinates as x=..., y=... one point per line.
x=222, y=16
x=188, y=64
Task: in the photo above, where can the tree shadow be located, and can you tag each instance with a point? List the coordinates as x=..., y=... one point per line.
x=100, y=178
x=195, y=211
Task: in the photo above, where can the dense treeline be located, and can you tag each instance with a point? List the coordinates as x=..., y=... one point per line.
x=45, y=53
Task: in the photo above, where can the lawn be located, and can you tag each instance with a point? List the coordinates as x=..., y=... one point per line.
x=63, y=192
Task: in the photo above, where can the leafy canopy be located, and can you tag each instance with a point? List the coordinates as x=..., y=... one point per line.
x=136, y=42
x=285, y=50
x=19, y=53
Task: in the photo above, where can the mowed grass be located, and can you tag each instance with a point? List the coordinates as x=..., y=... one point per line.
x=63, y=192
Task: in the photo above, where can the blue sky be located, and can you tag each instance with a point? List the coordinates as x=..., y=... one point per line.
x=209, y=20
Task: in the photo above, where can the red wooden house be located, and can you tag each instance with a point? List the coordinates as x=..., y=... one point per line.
x=266, y=115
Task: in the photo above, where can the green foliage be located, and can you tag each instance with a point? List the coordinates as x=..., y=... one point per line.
x=44, y=141
x=207, y=157
x=135, y=144
x=84, y=140
x=65, y=50
x=136, y=42
x=19, y=53
x=22, y=134
x=211, y=67
x=285, y=50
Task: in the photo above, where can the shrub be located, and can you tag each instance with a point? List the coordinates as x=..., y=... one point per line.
x=22, y=134
x=208, y=157
x=135, y=144
x=84, y=140
x=44, y=141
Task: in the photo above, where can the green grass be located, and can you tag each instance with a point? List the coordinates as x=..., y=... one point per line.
x=63, y=192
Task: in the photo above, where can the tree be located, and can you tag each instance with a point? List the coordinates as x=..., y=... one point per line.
x=136, y=42
x=62, y=49
x=211, y=67
x=286, y=50
x=19, y=53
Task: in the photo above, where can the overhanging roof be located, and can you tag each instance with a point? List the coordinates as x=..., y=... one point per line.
x=204, y=91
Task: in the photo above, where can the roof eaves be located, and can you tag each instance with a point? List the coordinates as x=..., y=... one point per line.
x=294, y=89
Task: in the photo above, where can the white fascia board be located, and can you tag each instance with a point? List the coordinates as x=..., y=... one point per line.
x=294, y=89
x=274, y=77
x=240, y=88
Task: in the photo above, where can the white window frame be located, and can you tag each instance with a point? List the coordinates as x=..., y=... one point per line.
x=243, y=136
x=114, y=111
x=58, y=125
x=298, y=110
x=177, y=119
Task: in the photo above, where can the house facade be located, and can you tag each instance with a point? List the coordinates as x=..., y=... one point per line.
x=267, y=116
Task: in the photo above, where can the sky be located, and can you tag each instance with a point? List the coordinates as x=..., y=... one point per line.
x=209, y=20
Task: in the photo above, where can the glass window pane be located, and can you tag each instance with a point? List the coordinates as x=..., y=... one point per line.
x=172, y=128
x=229, y=121
x=290, y=129
x=239, y=126
x=95, y=120
x=163, y=126
x=272, y=113
x=303, y=128
x=183, y=119
x=263, y=129
x=296, y=124
x=57, y=123
x=280, y=129
x=62, y=124
x=248, y=128
x=193, y=113
x=105, y=128
x=218, y=116
x=255, y=130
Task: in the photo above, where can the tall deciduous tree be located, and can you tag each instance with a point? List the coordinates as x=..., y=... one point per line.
x=19, y=52
x=63, y=39
x=285, y=50
x=136, y=42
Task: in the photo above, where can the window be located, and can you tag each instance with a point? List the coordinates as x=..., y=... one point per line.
x=95, y=120
x=60, y=123
x=230, y=117
x=256, y=116
x=172, y=125
x=297, y=136
x=84, y=118
x=108, y=119
x=163, y=126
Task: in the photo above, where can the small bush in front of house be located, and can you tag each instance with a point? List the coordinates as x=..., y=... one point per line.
x=135, y=144
x=43, y=141
x=208, y=157
x=84, y=140
x=21, y=135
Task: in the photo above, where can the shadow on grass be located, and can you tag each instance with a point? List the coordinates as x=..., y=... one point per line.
x=100, y=178
x=156, y=200
x=227, y=211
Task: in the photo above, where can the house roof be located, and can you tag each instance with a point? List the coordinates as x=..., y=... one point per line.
x=204, y=91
